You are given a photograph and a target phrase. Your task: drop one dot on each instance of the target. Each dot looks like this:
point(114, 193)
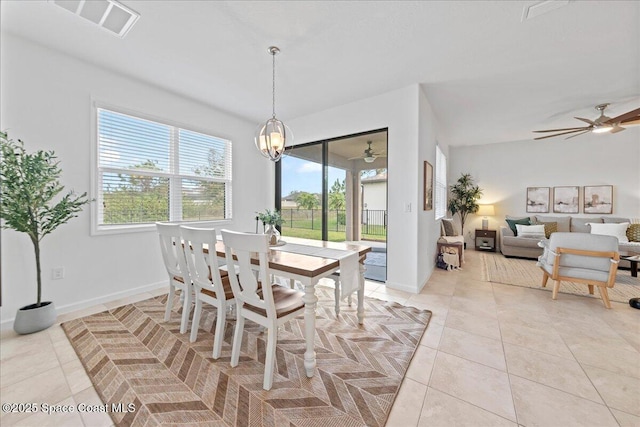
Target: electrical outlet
point(57, 273)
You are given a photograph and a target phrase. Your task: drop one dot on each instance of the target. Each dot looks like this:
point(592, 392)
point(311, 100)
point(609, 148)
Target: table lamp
point(486, 211)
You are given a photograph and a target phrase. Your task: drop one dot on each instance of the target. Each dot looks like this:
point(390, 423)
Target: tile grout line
point(506, 363)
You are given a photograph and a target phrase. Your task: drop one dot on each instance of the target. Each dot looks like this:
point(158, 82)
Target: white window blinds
point(149, 171)
point(440, 201)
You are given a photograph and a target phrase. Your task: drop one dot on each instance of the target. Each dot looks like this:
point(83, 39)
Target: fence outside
point(374, 222)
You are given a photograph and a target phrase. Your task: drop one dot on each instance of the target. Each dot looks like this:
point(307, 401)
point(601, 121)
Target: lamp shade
point(486, 210)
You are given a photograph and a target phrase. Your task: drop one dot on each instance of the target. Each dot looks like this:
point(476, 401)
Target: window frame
point(441, 189)
point(175, 195)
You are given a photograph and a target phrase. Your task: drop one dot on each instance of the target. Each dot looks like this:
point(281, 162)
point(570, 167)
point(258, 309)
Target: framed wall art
point(566, 199)
point(428, 186)
point(538, 199)
point(598, 199)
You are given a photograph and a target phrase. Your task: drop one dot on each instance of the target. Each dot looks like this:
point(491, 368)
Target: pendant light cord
point(273, 106)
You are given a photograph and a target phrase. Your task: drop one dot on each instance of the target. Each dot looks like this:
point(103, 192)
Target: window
point(149, 171)
point(440, 201)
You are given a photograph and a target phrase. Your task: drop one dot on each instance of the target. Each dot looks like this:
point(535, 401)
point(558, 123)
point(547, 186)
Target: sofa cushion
point(579, 225)
point(614, 220)
point(549, 227)
point(564, 222)
point(521, 242)
point(616, 230)
point(633, 233)
point(512, 223)
point(530, 230)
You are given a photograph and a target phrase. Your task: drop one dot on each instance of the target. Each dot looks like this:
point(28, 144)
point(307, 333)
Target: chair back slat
point(202, 266)
point(245, 246)
point(171, 248)
point(586, 242)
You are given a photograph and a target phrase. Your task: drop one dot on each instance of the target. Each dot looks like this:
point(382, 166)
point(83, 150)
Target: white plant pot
point(30, 318)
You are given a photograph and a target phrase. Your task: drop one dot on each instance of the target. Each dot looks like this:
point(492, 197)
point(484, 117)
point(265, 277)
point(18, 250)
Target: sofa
point(527, 247)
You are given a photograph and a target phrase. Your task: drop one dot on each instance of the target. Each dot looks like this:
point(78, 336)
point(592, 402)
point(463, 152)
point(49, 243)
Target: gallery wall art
point(598, 199)
point(566, 199)
point(538, 199)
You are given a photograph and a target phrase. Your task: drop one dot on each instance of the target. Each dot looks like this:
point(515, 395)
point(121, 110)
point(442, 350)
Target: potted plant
point(29, 183)
point(270, 219)
point(464, 198)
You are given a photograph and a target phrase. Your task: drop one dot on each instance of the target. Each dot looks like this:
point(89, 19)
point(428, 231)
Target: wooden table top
point(304, 265)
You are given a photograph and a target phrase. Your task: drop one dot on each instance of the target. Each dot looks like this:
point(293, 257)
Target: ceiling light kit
point(272, 137)
point(603, 124)
point(369, 156)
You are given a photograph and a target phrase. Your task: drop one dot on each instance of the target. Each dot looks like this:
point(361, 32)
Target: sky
point(302, 175)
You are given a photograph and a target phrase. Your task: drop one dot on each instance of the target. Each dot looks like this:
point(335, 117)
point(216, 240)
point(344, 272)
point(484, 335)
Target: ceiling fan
point(602, 124)
point(369, 156)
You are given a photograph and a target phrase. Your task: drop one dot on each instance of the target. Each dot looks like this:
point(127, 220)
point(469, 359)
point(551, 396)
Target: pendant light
point(273, 136)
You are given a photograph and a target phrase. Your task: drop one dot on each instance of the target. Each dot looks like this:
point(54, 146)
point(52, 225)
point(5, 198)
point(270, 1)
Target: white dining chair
point(266, 304)
point(176, 265)
point(211, 285)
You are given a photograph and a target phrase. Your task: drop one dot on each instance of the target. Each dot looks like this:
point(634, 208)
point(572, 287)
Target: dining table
point(296, 264)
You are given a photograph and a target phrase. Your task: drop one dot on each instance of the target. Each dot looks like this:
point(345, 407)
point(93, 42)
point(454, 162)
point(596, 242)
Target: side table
point(442, 246)
point(485, 240)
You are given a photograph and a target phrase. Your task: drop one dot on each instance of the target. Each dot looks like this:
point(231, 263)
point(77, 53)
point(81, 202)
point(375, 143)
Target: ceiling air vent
point(108, 14)
point(542, 7)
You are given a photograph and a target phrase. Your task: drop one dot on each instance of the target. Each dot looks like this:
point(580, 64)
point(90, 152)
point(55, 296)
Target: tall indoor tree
point(29, 183)
point(463, 199)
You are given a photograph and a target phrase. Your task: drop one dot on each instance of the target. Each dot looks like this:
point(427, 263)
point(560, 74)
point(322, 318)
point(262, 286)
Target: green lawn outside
point(334, 236)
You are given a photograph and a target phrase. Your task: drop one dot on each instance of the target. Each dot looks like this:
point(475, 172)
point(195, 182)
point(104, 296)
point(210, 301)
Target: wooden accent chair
point(267, 305)
point(591, 259)
point(211, 285)
point(176, 265)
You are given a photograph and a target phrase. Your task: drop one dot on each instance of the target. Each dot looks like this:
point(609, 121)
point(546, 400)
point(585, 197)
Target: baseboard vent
point(107, 14)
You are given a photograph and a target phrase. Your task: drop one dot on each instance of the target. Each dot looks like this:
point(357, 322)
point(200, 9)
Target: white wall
point(47, 102)
point(399, 112)
point(505, 171)
point(428, 227)
point(374, 195)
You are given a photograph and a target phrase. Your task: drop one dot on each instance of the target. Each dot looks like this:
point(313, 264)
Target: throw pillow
point(633, 233)
point(449, 227)
point(512, 223)
point(536, 231)
point(549, 227)
point(617, 230)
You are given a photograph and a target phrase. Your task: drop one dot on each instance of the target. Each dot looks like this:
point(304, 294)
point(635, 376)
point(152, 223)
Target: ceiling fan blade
point(560, 130)
point(354, 158)
point(563, 133)
point(617, 129)
point(578, 134)
point(591, 122)
point(628, 116)
point(379, 155)
point(632, 122)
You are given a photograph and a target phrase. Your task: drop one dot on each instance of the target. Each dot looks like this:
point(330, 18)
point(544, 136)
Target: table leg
point(360, 311)
point(634, 268)
point(310, 299)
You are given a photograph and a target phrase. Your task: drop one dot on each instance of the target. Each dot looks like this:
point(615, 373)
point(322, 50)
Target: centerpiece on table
point(270, 219)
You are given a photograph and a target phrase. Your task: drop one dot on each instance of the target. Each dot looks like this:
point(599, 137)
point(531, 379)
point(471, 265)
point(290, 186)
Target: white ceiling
point(489, 77)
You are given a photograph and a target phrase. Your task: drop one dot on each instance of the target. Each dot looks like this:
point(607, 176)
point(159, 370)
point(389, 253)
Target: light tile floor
point(493, 355)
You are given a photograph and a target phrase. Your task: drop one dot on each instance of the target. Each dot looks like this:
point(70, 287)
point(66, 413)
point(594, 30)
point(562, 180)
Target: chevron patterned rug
point(133, 357)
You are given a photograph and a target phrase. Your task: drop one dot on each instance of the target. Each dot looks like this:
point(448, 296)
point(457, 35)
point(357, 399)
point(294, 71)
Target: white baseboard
point(8, 323)
point(402, 287)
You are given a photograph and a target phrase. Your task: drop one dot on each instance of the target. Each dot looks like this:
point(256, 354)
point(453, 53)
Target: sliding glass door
point(335, 190)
